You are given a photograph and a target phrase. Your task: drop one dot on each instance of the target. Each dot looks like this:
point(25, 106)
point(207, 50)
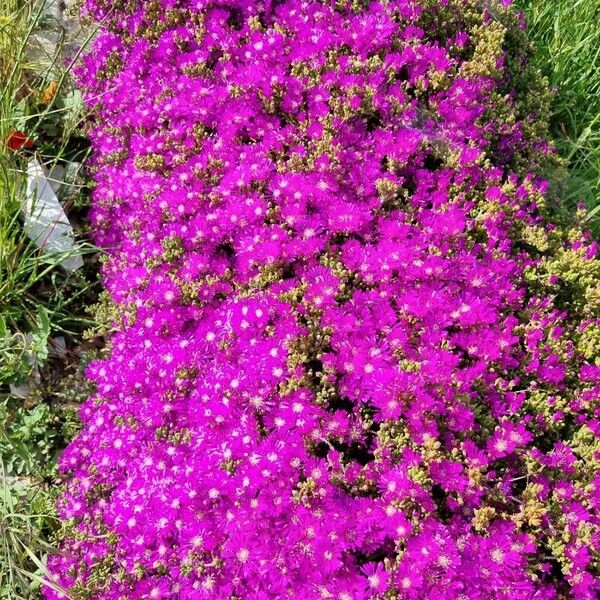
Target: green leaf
point(41, 334)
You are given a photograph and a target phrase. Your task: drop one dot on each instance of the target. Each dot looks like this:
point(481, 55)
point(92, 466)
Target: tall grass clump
point(566, 40)
point(42, 305)
point(39, 117)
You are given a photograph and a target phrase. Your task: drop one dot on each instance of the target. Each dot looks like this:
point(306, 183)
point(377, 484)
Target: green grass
point(566, 36)
point(39, 300)
point(22, 543)
point(32, 435)
point(37, 297)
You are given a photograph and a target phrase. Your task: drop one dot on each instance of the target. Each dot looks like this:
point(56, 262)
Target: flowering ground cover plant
point(354, 359)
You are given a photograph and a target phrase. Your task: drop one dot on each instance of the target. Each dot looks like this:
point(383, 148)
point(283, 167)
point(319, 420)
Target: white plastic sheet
point(46, 223)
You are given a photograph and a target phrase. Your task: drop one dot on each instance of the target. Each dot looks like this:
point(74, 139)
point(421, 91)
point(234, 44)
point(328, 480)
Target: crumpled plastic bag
point(45, 221)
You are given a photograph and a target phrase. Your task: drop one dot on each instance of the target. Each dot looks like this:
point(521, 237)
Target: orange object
point(50, 92)
point(16, 140)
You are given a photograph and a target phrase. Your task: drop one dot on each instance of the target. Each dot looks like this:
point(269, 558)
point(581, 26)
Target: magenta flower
point(352, 358)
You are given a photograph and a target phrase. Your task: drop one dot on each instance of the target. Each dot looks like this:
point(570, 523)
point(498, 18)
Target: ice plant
point(354, 360)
